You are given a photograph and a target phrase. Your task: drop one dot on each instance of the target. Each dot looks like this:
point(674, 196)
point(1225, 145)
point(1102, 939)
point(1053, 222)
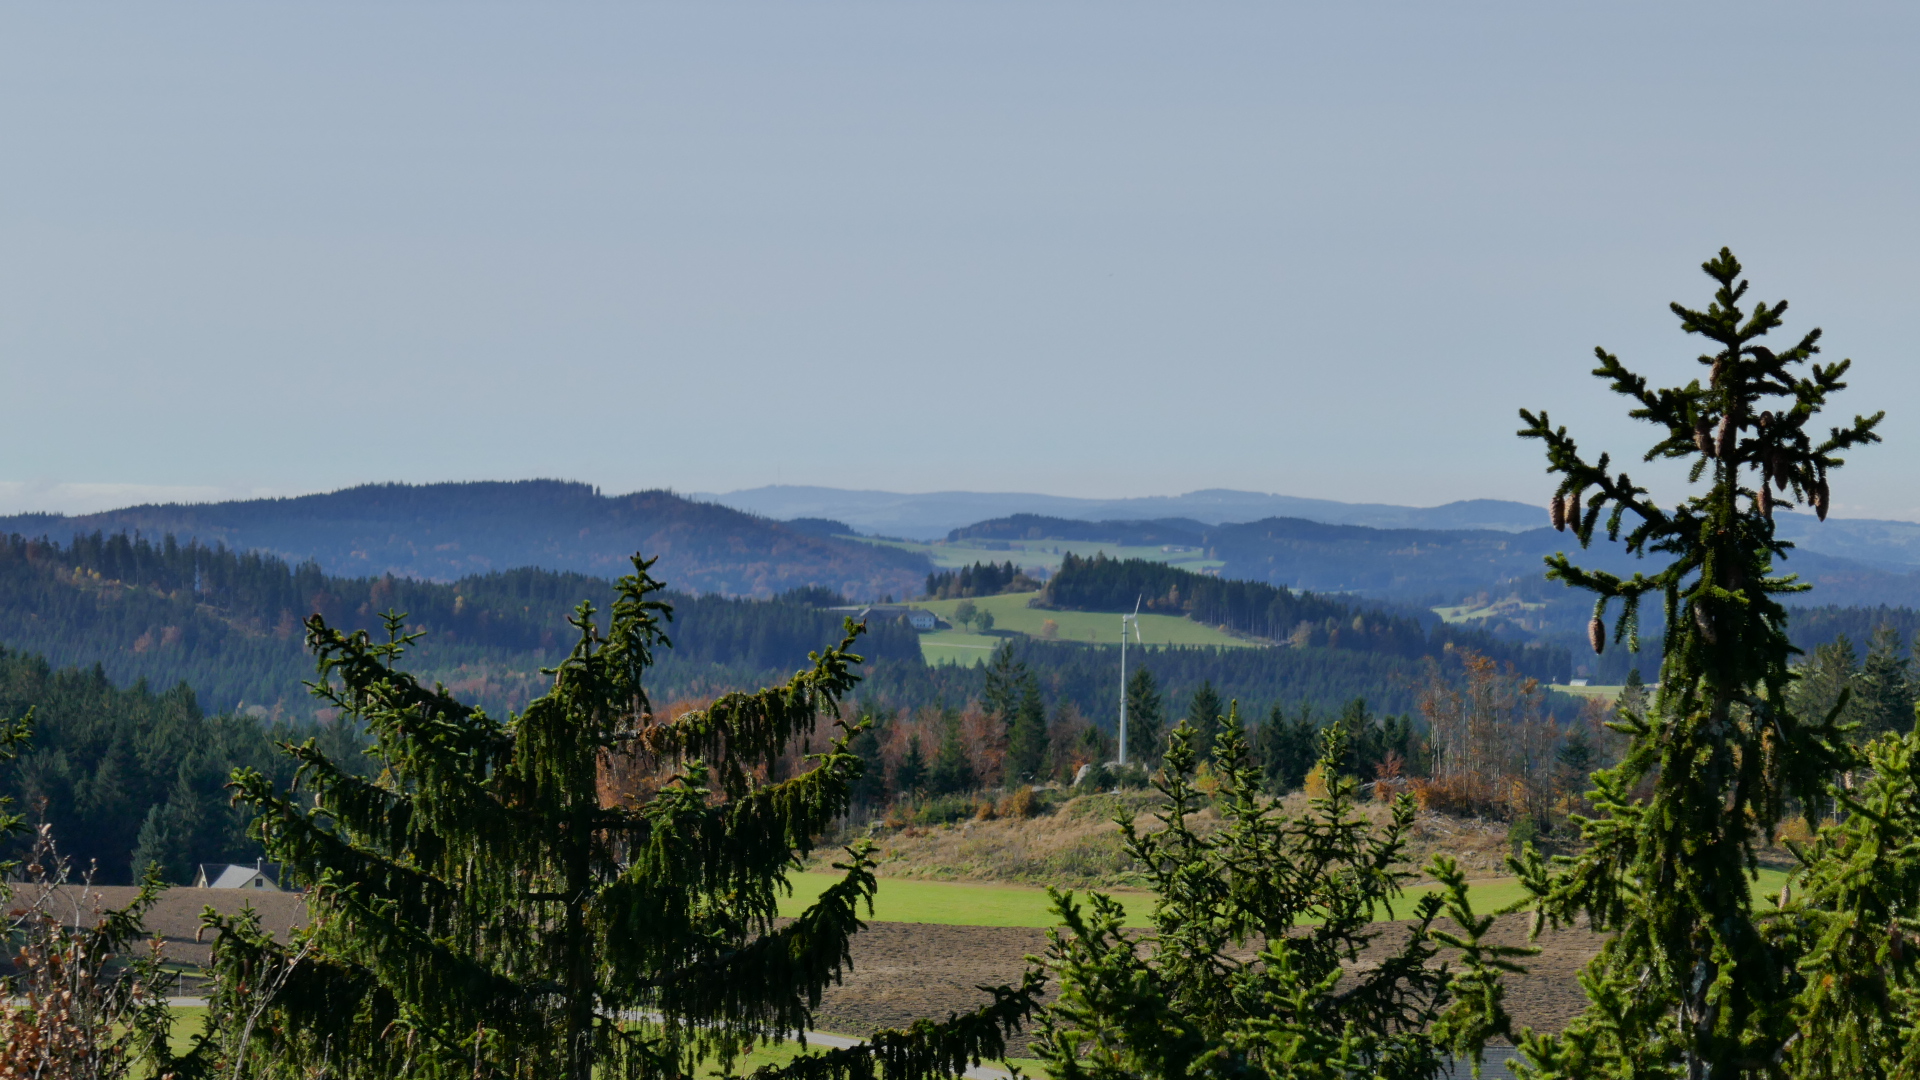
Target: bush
point(1020, 803)
point(1524, 830)
point(934, 810)
point(1460, 796)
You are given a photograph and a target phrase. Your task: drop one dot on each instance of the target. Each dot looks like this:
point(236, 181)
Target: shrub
point(1020, 803)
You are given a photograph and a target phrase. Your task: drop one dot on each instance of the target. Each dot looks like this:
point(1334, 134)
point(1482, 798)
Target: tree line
point(229, 623)
point(980, 579)
point(1276, 613)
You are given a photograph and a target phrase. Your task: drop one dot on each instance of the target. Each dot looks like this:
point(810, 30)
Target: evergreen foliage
point(1146, 718)
point(1204, 713)
point(1027, 734)
point(952, 771)
point(1850, 921)
point(1187, 1000)
point(1255, 608)
point(980, 579)
point(128, 778)
point(494, 903)
point(1287, 747)
point(910, 777)
point(1689, 983)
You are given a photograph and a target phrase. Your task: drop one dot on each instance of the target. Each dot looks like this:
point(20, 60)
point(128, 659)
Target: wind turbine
point(1124, 620)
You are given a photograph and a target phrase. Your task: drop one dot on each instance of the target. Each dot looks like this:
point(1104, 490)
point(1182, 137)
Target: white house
point(918, 618)
point(237, 876)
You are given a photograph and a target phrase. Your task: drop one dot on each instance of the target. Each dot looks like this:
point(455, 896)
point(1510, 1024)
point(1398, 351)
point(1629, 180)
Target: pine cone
point(1572, 512)
point(1597, 635)
point(1820, 498)
point(1557, 513)
point(1703, 437)
point(1705, 622)
point(1724, 442)
point(1764, 500)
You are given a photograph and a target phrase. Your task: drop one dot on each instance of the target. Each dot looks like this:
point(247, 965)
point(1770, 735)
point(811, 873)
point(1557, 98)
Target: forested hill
point(1300, 619)
point(443, 532)
point(228, 624)
point(1434, 566)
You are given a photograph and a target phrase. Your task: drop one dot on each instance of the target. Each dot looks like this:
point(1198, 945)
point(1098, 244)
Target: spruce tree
point(1687, 983)
point(952, 765)
point(1251, 966)
point(490, 906)
point(1287, 748)
point(1005, 677)
point(1146, 716)
point(1027, 734)
point(1886, 692)
point(910, 776)
point(1203, 714)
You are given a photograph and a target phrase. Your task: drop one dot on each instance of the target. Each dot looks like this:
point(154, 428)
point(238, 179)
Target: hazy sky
point(1091, 249)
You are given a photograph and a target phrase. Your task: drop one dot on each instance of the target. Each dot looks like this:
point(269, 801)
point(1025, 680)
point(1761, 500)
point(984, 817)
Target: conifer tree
point(486, 907)
point(1688, 984)
point(1248, 969)
point(1204, 713)
point(1886, 684)
point(911, 774)
point(952, 765)
point(1005, 677)
point(1288, 747)
point(1146, 716)
point(1027, 734)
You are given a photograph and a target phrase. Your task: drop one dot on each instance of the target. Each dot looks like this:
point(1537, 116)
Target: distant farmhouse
point(918, 618)
point(237, 876)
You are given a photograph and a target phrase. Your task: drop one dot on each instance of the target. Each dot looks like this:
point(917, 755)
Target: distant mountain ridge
point(1888, 545)
point(1427, 565)
point(442, 532)
point(932, 515)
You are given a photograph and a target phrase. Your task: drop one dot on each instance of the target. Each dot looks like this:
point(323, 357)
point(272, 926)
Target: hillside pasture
point(1038, 554)
point(1012, 615)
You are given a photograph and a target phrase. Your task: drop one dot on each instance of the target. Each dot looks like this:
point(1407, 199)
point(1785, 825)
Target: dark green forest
point(131, 776)
point(1305, 620)
point(228, 623)
point(980, 579)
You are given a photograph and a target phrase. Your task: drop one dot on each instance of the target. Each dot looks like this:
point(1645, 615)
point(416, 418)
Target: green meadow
point(1012, 615)
point(954, 554)
point(954, 903)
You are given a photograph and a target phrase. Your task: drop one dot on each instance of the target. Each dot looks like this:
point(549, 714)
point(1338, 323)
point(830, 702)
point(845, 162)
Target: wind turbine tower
point(1134, 619)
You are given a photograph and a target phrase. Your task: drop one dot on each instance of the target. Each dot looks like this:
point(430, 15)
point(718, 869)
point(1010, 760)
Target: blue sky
point(1089, 249)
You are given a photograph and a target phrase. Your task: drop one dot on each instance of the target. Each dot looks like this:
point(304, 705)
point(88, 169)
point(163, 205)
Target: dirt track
point(906, 970)
point(903, 971)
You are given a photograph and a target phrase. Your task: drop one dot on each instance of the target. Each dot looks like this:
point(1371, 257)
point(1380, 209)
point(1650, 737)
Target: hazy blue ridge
point(932, 515)
point(443, 532)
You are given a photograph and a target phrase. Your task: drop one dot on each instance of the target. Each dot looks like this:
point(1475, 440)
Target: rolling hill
point(229, 624)
point(931, 515)
point(443, 532)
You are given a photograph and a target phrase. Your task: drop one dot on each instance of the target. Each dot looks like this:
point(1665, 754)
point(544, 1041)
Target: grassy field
point(1509, 608)
point(1045, 554)
point(1607, 692)
point(970, 904)
point(1011, 614)
point(955, 903)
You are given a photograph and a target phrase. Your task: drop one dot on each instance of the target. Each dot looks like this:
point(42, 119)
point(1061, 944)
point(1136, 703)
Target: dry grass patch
point(1076, 843)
